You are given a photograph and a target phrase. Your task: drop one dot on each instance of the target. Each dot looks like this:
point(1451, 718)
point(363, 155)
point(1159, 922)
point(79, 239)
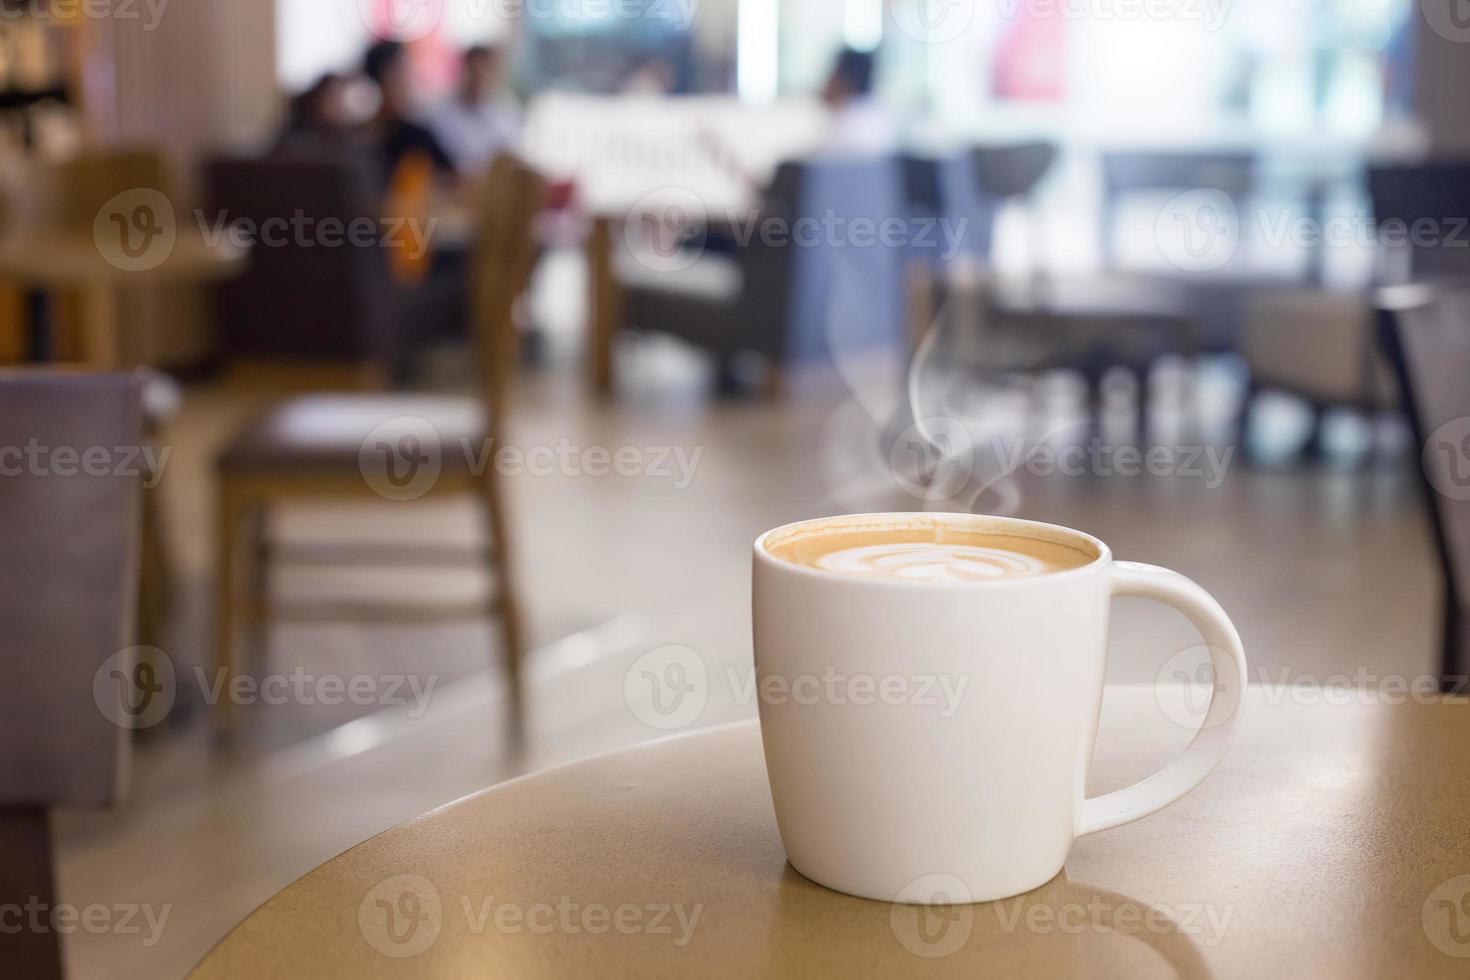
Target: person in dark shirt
point(393, 133)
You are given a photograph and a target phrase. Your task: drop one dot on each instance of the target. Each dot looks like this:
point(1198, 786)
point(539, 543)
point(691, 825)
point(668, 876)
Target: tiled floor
point(1323, 573)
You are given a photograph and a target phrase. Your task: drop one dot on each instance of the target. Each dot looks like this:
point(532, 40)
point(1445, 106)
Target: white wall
point(314, 37)
point(202, 76)
point(318, 36)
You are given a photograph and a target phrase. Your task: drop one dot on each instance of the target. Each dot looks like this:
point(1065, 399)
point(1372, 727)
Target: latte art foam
point(933, 562)
point(926, 553)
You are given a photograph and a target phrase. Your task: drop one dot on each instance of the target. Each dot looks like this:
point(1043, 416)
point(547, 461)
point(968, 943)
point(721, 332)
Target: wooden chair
point(1426, 332)
point(314, 446)
point(68, 577)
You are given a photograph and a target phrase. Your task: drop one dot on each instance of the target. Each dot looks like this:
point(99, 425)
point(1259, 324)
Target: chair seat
point(327, 432)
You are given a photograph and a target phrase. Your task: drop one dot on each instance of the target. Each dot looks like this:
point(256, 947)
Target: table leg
point(39, 340)
point(101, 349)
point(921, 286)
point(604, 305)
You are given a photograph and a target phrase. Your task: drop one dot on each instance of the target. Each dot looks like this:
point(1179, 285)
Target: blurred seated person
point(480, 121)
point(655, 76)
point(860, 125)
point(393, 135)
point(319, 118)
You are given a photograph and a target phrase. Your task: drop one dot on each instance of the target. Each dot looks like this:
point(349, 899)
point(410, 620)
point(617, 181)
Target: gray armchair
point(67, 595)
point(772, 294)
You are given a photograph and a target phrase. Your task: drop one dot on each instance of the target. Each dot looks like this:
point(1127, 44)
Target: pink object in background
point(1031, 58)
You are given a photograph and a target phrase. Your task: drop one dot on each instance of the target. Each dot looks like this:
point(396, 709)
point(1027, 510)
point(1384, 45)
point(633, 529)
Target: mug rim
point(897, 520)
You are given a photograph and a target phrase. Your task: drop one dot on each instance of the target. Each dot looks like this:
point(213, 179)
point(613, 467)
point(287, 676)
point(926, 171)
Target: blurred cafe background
point(390, 392)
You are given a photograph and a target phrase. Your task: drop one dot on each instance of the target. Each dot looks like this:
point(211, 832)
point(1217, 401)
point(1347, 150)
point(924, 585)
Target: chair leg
point(255, 577)
point(511, 639)
point(1455, 660)
point(226, 653)
point(605, 300)
point(921, 313)
point(155, 587)
point(26, 876)
point(775, 386)
point(506, 606)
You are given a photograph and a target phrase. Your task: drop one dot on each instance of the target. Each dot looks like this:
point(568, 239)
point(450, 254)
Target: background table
point(1334, 841)
point(73, 261)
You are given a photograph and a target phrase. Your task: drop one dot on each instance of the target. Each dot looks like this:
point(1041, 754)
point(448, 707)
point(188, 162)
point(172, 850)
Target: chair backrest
point(923, 188)
point(1012, 170)
point(814, 238)
point(1428, 341)
point(71, 523)
point(834, 250)
point(505, 250)
point(1415, 208)
point(82, 185)
point(767, 268)
point(303, 299)
point(945, 188)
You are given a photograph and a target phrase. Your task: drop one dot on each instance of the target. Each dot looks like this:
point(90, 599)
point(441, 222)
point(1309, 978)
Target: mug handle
point(1227, 661)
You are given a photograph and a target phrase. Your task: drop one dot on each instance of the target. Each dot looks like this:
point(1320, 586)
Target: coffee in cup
point(927, 552)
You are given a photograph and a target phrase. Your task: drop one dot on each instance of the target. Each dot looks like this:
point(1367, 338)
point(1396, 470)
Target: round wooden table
point(1333, 842)
point(72, 260)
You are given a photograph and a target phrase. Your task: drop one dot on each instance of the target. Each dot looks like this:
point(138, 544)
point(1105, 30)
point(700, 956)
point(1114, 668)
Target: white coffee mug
point(940, 731)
